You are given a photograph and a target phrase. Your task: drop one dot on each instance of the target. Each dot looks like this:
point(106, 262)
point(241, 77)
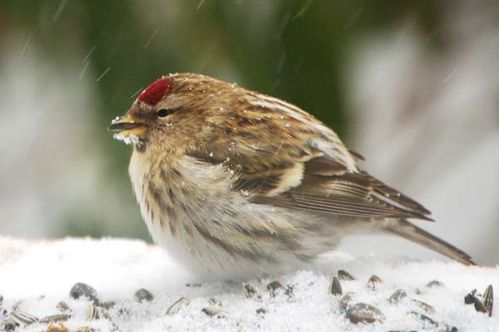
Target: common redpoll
point(236, 183)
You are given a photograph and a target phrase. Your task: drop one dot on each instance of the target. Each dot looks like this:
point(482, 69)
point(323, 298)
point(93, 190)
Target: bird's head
point(174, 110)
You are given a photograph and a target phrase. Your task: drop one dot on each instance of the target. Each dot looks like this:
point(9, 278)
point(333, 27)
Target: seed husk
point(96, 312)
point(374, 282)
point(177, 305)
point(434, 283)
point(212, 311)
point(9, 325)
point(63, 307)
point(471, 298)
point(423, 318)
point(83, 290)
point(335, 287)
point(23, 317)
point(273, 287)
point(107, 305)
point(55, 318)
point(397, 296)
point(92, 312)
point(143, 295)
point(345, 276)
point(364, 313)
point(429, 309)
point(488, 299)
point(430, 323)
point(289, 291)
point(346, 300)
point(215, 302)
point(249, 290)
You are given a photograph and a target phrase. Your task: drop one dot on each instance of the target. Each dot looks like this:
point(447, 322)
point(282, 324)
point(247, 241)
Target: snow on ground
point(36, 276)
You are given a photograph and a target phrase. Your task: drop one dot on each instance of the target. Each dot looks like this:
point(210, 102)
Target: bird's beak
point(128, 128)
point(123, 123)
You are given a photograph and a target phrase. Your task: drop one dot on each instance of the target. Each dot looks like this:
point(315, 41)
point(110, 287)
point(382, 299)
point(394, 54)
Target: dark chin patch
point(141, 145)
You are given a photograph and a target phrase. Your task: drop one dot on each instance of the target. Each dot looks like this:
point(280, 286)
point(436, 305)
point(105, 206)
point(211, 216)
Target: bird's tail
point(415, 234)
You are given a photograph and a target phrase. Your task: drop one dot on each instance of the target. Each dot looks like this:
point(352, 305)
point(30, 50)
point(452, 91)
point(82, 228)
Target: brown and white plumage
point(234, 182)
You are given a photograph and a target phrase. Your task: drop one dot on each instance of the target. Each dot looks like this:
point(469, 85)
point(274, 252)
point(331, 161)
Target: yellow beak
point(128, 127)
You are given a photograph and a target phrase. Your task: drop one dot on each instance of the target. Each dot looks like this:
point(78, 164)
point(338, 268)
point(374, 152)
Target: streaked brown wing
point(328, 187)
point(259, 170)
point(325, 185)
point(395, 196)
point(280, 155)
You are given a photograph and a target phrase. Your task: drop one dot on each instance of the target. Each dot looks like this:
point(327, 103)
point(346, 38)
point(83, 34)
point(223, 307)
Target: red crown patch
point(156, 91)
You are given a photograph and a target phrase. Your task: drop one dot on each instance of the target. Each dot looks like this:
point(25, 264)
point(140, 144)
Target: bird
point(234, 183)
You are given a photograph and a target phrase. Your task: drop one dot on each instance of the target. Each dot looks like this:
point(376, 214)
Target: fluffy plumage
point(236, 183)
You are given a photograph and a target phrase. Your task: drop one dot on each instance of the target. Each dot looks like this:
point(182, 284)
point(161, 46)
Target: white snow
point(37, 275)
point(126, 139)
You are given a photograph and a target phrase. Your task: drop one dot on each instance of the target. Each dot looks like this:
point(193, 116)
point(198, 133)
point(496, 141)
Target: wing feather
point(301, 165)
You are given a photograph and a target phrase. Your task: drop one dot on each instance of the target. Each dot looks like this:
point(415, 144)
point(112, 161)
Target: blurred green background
point(291, 49)
point(72, 66)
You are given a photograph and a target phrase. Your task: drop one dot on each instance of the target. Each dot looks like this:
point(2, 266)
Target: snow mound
point(36, 276)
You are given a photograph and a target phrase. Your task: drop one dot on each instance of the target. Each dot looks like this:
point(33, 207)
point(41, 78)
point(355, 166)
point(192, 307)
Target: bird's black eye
point(164, 112)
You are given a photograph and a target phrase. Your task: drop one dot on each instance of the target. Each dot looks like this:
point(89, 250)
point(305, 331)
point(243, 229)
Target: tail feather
point(415, 234)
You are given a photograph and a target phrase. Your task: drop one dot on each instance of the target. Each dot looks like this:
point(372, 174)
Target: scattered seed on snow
point(23, 317)
point(9, 325)
point(346, 300)
point(273, 287)
point(424, 319)
point(249, 290)
point(63, 307)
point(55, 318)
point(344, 275)
point(374, 282)
point(335, 287)
point(107, 305)
point(215, 302)
point(397, 296)
point(488, 299)
point(471, 298)
point(80, 289)
point(96, 312)
point(364, 313)
point(212, 311)
point(289, 291)
point(177, 305)
point(434, 283)
point(429, 309)
point(143, 295)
